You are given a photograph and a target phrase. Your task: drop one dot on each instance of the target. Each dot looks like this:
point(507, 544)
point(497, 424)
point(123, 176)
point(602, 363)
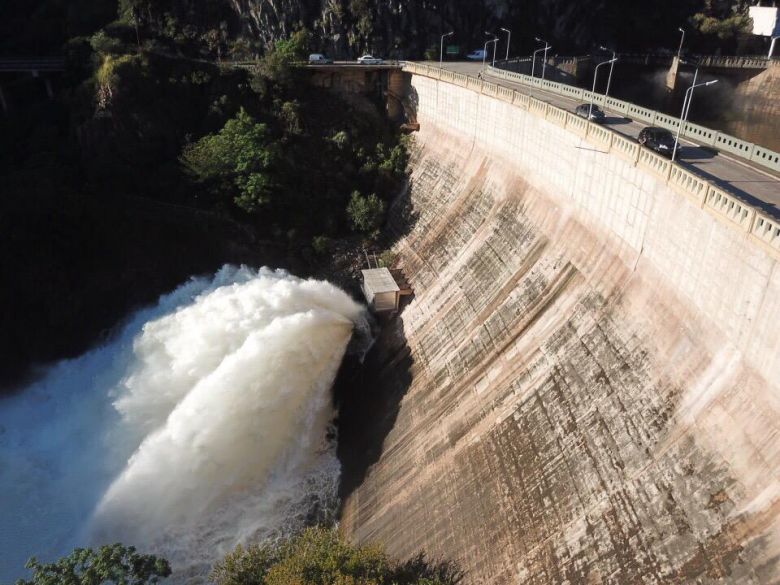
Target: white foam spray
point(203, 425)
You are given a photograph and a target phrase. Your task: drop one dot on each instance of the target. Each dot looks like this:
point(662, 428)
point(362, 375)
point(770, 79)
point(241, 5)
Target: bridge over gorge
point(38, 67)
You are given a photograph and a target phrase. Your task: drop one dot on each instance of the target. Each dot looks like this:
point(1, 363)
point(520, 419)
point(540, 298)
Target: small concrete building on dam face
point(380, 289)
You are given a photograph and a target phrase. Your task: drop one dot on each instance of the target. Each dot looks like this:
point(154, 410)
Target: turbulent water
point(204, 424)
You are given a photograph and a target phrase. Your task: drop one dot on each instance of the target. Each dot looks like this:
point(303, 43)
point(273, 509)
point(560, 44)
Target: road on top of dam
point(756, 186)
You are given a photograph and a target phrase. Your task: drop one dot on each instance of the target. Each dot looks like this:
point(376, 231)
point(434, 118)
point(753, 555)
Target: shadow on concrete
point(368, 397)
point(616, 121)
point(734, 188)
point(694, 153)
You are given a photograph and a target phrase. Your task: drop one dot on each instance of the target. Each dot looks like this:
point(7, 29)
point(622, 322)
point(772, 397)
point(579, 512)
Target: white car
point(476, 55)
point(369, 60)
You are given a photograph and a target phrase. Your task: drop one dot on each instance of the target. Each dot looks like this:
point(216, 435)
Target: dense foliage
point(722, 20)
point(321, 556)
point(110, 565)
point(238, 161)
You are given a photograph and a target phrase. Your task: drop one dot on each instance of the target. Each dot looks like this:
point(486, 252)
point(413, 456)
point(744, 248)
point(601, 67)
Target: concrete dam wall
point(584, 388)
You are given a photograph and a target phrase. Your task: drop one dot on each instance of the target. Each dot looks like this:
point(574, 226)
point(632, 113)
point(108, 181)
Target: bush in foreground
point(320, 556)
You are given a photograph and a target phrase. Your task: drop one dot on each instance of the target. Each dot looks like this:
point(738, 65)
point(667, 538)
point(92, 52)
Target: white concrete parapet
point(557, 116)
point(626, 148)
point(766, 230)
point(689, 184)
point(576, 124)
point(655, 163)
point(600, 135)
point(727, 206)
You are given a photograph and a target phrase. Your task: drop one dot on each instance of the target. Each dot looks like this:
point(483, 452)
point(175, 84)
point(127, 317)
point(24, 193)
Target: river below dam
point(205, 422)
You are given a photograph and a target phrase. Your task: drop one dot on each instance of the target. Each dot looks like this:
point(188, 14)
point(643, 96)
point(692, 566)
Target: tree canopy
point(110, 564)
point(365, 213)
point(238, 159)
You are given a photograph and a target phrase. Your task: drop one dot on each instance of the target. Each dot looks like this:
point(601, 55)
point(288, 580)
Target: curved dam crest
point(586, 380)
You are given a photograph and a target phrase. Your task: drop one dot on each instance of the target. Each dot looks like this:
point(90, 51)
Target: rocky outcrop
point(393, 28)
point(584, 388)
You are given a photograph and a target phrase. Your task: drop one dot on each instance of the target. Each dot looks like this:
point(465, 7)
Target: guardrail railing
point(759, 227)
point(757, 154)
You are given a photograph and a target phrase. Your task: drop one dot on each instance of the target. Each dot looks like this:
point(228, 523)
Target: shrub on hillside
point(320, 556)
point(365, 213)
point(239, 158)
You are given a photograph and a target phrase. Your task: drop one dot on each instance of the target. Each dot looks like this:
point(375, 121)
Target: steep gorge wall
point(585, 387)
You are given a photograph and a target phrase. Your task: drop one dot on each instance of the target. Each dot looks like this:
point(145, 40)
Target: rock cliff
point(395, 28)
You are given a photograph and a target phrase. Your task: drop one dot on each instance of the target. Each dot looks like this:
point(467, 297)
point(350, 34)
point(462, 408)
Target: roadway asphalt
point(757, 186)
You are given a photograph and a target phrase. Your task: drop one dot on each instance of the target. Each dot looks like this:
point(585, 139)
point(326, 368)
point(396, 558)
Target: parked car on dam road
point(658, 139)
point(592, 112)
point(369, 60)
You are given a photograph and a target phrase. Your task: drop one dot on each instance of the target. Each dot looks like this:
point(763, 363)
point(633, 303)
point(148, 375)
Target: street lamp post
point(611, 69)
point(772, 46)
point(682, 40)
point(593, 92)
point(484, 53)
point(686, 110)
point(441, 47)
point(495, 45)
point(508, 39)
point(546, 48)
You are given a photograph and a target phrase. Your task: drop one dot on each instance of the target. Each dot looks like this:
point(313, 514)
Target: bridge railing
point(757, 154)
point(759, 227)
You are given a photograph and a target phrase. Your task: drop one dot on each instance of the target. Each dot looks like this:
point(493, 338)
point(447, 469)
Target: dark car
point(657, 139)
point(595, 114)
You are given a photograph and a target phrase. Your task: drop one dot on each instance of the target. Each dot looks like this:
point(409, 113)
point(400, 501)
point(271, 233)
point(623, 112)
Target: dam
point(584, 388)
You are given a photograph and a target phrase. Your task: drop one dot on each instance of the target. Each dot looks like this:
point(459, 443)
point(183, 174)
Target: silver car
point(369, 60)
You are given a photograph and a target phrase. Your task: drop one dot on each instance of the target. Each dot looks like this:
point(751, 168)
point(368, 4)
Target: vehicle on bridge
point(476, 55)
point(319, 58)
point(370, 60)
point(592, 112)
point(658, 139)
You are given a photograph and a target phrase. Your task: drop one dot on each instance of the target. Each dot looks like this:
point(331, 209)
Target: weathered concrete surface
point(591, 394)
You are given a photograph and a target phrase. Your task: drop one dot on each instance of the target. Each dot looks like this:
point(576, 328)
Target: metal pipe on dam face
point(585, 387)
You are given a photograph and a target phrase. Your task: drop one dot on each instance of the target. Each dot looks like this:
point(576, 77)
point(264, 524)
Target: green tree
point(723, 18)
point(365, 213)
point(277, 63)
point(320, 556)
point(111, 564)
point(238, 161)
